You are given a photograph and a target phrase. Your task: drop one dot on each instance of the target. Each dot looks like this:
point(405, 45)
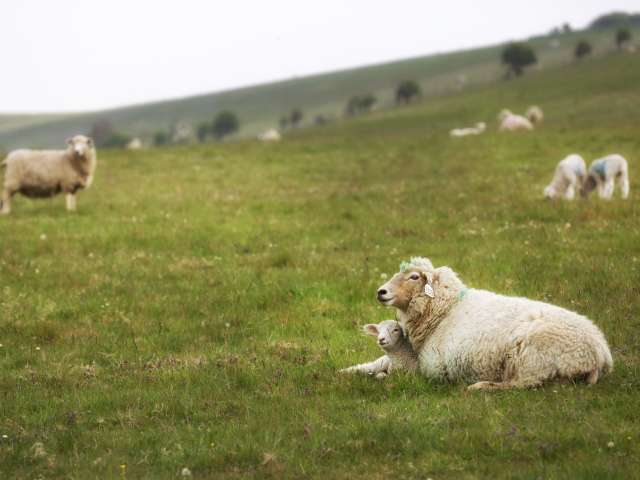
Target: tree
point(160, 138)
point(566, 28)
point(224, 124)
point(583, 48)
point(518, 56)
point(406, 91)
point(203, 131)
point(116, 140)
point(284, 122)
point(101, 131)
point(296, 117)
point(360, 104)
point(623, 35)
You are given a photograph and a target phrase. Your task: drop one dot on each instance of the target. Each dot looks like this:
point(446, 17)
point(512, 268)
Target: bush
point(583, 48)
point(160, 138)
point(116, 140)
point(360, 104)
point(407, 91)
point(517, 56)
point(203, 131)
point(623, 35)
point(224, 124)
point(296, 117)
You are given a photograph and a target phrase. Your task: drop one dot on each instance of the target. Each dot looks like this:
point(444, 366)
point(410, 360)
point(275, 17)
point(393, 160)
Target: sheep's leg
point(607, 190)
point(372, 368)
point(570, 192)
point(530, 383)
point(623, 183)
point(6, 202)
point(71, 201)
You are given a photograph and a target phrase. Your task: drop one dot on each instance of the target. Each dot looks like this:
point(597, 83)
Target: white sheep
point(463, 132)
point(569, 175)
point(45, 173)
point(493, 341)
point(510, 122)
point(534, 114)
point(271, 135)
point(399, 355)
point(603, 173)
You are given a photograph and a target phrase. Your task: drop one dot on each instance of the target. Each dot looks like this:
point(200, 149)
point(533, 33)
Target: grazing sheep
point(568, 178)
point(399, 353)
point(494, 341)
point(510, 122)
point(603, 173)
point(271, 135)
point(463, 132)
point(45, 173)
point(534, 114)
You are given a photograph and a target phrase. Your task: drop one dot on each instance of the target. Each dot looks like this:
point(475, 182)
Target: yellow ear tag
point(428, 290)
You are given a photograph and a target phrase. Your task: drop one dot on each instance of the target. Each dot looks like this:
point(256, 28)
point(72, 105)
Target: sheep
point(602, 174)
point(463, 132)
point(568, 178)
point(534, 114)
point(45, 173)
point(271, 135)
point(510, 122)
point(493, 341)
point(399, 355)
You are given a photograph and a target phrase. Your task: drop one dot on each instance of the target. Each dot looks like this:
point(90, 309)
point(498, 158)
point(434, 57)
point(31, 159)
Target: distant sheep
point(399, 353)
point(271, 135)
point(603, 173)
point(568, 178)
point(45, 173)
point(463, 132)
point(510, 122)
point(534, 115)
point(493, 341)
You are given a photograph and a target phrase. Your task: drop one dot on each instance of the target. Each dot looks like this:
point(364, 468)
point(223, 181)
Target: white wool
point(603, 174)
point(464, 132)
point(567, 179)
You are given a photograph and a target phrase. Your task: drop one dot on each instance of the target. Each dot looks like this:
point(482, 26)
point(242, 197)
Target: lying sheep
point(510, 122)
point(568, 178)
point(399, 355)
point(45, 173)
point(463, 132)
point(534, 115)
point(603, 173)
point(271, 135)
point(494, 341)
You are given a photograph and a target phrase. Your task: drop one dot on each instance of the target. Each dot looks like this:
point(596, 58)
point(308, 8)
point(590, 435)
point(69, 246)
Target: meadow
point(195, 310)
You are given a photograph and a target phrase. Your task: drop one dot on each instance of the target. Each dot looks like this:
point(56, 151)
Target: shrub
point(517, 56)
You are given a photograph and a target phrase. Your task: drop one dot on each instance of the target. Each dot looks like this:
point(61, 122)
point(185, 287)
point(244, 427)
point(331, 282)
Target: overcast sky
point(73, 55)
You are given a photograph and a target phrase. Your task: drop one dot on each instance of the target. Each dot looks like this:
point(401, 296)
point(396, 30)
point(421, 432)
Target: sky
point(79, 55)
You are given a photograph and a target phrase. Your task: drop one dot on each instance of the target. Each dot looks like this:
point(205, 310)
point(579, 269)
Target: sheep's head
point(415, 277)
point(549, 192)
point(389, 333)
point(80, 146)
point(588, 185)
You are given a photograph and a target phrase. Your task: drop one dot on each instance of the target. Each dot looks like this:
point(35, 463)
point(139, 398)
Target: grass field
point(194, 311)
point(259, 107)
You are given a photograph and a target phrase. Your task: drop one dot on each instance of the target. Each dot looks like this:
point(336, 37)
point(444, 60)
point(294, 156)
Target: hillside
point(194, 311)
point(261, 106)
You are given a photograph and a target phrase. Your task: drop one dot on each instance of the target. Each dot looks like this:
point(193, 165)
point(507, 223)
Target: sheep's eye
point(396, 329)
point(414, 276)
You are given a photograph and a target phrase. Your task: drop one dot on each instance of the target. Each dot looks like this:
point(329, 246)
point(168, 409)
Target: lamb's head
point(588, 185)
point(80, 146)
point(389, 334)
point(415, 277)
point(549, 192)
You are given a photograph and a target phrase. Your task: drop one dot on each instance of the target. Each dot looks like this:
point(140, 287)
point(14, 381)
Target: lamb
point(463, 132)
point(399, 355)
point(45, 173)
point(568, 178)
point(534, 114)
point(271, 135)
point(510, 122)
point(602, 174)
point(493, 341)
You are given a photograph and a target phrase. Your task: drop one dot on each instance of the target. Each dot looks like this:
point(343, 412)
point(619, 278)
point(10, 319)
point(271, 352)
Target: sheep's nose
point(382, 292)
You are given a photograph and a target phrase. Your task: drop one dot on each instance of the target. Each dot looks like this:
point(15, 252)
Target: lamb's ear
point(428, 284)
point(69, 141)
point(371, 329)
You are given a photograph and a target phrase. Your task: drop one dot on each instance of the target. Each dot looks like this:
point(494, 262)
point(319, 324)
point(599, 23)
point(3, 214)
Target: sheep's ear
point(371, 329)
point(69, 141)
point(90, 141)
point(428, 284)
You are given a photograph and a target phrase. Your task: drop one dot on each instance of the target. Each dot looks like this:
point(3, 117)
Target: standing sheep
point(399, 353)
point(534, 115)
point(45, 173)
point(510, 122)
point(568, 178)
point(603, 173)
point(494, 341)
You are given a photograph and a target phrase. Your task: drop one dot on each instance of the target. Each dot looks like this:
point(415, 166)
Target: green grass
point(194, 311)
point(259, 107)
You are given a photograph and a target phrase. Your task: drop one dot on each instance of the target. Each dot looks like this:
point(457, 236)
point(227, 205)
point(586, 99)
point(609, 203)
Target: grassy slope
point(195, 310)
point(260, 107)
